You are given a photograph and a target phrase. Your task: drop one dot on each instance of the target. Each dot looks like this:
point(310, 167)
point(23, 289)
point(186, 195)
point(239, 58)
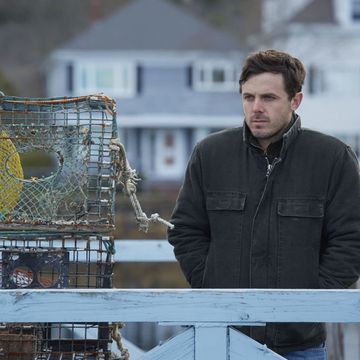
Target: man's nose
point(257, 105)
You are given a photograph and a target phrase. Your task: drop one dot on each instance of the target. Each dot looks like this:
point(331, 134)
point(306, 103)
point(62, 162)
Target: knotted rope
point(124, 353)
point(129, 179)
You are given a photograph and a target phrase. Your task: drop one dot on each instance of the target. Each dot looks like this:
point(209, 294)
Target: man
point(271, 205)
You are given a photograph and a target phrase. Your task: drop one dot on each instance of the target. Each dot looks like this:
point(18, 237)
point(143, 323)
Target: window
point(214, 76)
point(104, 78)
point(113, 79)
point(356, 9)
point(334, 79)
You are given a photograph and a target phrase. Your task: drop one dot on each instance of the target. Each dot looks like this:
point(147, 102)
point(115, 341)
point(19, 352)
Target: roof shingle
point(318, 11)
point(152, 25)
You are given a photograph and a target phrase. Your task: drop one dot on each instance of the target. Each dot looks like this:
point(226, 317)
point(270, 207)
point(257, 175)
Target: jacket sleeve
point(340, 257)
point(190, 236)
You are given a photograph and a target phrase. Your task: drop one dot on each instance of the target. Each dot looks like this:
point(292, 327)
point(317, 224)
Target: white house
point(175, 79)
point(325, 34)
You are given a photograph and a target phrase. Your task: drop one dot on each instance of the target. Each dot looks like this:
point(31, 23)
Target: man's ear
point(296, 100)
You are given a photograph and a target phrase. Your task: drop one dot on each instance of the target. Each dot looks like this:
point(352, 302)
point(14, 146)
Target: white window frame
point(337, 80)
point(207, 68)
point(123, 80)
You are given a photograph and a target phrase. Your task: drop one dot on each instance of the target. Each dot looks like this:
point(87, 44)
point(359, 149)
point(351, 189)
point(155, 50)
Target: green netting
point(73, 135)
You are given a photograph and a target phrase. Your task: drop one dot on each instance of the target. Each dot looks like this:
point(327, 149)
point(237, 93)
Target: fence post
point(211, 341)
point(351, 341)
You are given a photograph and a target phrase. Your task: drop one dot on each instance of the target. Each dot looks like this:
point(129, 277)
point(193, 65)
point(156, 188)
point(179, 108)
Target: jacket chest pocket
point(225, 210)
point(300, 222)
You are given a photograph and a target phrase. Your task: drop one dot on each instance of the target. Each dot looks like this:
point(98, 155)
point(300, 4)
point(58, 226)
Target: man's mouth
point(259, 121)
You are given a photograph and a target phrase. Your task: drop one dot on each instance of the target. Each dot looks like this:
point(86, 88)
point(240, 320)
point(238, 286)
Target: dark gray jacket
point(288, 219)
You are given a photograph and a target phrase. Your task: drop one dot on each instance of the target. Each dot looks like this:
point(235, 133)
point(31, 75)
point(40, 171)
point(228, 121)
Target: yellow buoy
point(11, 174)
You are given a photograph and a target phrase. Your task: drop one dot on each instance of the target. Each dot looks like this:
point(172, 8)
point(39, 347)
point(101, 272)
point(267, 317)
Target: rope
point(124, 353)
point(128, 178)
point(109, 103)
point(109, 246)
point(63, 100)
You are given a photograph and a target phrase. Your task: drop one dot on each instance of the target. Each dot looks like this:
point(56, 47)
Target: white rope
point(124, 353)
point(128, 178)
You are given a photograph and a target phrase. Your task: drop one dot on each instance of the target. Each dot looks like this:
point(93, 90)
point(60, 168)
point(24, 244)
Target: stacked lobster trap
point(55, 227)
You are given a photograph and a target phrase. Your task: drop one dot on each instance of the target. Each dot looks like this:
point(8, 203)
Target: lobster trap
point(71, 135)
point(55, 341)
point(56, 218)
point(56, 261)
point(55, 222)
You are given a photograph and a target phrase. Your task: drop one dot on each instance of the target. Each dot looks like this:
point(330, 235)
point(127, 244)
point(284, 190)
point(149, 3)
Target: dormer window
point(214, 75)
point(356, 10)
point(116, 79)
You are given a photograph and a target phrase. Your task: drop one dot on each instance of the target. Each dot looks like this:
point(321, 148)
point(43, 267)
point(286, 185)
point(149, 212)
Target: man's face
point(267, 107)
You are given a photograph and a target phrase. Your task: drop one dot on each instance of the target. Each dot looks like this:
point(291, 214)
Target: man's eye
point(269, 98)
point(248, 97)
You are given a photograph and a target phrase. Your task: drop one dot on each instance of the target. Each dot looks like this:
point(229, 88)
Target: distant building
point(325, 34)
point(175, 79)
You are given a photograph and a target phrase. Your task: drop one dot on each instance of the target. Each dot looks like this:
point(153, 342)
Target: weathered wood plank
point(243, 348)
point(211, 342)
point(180, 347)
point(143, 251)
point(183, 305)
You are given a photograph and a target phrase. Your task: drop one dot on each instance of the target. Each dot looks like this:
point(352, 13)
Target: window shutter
point(139, 79)
point(189, 76)
point(70, 77)
point(311, 79)
point(355, 9)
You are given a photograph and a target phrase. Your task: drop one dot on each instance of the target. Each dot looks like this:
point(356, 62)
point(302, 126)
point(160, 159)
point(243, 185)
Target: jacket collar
point(291, 134)
point(283, 143)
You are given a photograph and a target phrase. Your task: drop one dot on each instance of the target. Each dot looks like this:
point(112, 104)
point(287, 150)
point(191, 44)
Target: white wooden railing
point(207, 315)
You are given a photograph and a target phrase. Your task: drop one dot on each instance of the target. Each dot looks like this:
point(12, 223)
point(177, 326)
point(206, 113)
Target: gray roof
point(152, 25)
point(317, 11)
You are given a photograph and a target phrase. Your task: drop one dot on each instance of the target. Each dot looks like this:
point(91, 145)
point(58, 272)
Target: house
point(174, 77)
point(325, 35)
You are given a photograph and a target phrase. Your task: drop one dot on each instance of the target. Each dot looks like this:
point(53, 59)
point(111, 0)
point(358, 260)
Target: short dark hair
point(277, 62)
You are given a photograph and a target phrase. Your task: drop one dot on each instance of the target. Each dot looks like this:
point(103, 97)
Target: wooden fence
point(207, 316)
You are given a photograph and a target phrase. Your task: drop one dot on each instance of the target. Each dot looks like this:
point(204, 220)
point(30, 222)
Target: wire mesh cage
point(56, 341)
point(19, 342)
point(57, 261)
point(74, 135)
point(55, 223)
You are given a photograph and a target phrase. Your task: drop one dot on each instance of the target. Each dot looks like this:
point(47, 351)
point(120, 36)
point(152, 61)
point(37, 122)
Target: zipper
point(269, 170)
point(270, 167)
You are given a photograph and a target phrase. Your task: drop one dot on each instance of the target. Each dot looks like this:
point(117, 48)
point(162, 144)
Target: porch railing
point(207, 315)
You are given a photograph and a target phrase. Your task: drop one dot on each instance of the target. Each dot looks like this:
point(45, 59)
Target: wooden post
point(211, 341)
point(351, 341)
